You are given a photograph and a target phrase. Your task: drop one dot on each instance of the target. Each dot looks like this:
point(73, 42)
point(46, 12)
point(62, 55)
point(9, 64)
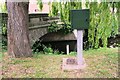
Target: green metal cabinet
point(80, 19)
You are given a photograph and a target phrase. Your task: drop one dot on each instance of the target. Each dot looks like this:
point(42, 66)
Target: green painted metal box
point(80, 18)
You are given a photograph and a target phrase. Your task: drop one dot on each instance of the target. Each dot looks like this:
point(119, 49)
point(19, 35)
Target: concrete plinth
point(71, 64)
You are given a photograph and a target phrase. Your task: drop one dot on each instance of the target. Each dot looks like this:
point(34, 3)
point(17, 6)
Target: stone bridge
point(38, 25)
point(36, 32)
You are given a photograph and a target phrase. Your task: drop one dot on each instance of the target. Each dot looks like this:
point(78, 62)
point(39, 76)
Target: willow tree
point(17, 29)
point(63, 8)
point(103, 22)
point(2, 7)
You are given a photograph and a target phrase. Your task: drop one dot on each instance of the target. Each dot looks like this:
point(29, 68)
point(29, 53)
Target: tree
point(17, 30)
point(103, 23)
point(2, 7)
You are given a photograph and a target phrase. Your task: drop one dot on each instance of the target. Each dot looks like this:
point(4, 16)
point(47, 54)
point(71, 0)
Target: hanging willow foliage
point(40, 4)
point(103, 24)
point(103, 21)
point(3, 8)
point(63, 8)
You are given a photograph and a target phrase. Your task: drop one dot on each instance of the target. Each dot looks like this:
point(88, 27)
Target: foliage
point(56, 52)
point(65, 28)
point(55, 9)
point(4, 32)
point(3, 8)
point(103, 24)
point(39, 47)
point(103, 21)
point(36, 47)
point(62, 9)
point(4, 27)
point(47, 50)
point(40, 5)
point(53, 27)
point(73, 53)
point(3, 23)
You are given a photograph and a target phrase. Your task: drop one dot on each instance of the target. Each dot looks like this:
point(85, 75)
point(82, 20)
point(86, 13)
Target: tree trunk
point(18, 40)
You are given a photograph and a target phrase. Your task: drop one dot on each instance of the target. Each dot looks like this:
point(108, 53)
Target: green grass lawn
point(101, 63)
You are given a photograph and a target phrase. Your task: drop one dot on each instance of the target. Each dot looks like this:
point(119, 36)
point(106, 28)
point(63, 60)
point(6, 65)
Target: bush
point(73, 53)
point(37, 46)
point(65, 28)
point(48, 50)
point(4, 33)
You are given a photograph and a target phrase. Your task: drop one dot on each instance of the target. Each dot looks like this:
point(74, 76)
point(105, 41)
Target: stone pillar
point(80, 47)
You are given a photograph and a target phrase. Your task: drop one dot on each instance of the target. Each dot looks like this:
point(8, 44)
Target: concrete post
point(67, 49)
point(80, 47)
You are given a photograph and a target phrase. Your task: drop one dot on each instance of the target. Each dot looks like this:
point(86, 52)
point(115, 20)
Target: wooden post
point(80, 47)
point(67, 49)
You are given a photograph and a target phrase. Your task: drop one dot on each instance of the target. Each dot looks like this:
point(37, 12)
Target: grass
point(101, 63)
point(0, 56)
